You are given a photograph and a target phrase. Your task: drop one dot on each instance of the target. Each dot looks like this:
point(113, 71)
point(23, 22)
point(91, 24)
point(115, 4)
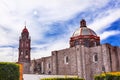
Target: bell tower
point(24, 50)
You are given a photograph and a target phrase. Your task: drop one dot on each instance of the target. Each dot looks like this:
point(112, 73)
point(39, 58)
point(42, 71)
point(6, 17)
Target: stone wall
point(79, 60)
point(47, 65)
point(54, 59)
point(26, 67)
point(118, 51)
point(69, 67)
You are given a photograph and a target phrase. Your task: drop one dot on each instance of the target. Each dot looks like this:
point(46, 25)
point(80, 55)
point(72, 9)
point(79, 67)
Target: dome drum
point(85, 36)
point(87, 42)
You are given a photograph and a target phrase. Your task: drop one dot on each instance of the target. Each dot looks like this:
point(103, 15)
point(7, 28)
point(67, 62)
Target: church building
point(85, 57)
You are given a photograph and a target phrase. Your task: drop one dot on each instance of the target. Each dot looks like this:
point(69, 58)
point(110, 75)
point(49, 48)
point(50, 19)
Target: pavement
point(38, 77)
point(31, 77)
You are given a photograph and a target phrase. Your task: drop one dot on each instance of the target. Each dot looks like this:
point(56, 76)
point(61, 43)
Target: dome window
point(95, 43)
point(86, 42)
point(76, 42)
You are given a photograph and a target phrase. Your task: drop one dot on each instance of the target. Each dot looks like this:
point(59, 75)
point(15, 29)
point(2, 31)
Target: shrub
point(108, 76)
point(62, 79)
point(9, 71)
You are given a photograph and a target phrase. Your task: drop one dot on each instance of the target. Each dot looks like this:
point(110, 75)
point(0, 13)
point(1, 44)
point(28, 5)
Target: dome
point(25, 30)
point(83, 31)
point(84, 36)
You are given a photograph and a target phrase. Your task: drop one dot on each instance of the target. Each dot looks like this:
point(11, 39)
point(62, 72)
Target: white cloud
point(106, 34)
point(8, 54)
point(103, 21)
point(39, 14)
point(45, 49)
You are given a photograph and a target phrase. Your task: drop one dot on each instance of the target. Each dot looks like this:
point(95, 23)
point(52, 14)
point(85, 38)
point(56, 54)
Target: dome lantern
point(82, 23)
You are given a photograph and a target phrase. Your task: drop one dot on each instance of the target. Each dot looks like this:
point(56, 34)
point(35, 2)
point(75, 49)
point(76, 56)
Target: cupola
point(84, 36)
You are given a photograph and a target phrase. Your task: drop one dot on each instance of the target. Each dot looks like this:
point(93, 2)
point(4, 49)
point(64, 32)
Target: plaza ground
point(38, 77)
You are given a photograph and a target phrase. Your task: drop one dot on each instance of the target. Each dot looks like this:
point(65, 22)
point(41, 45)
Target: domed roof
point(25, 30)
point(84, 36)
point(83, 30)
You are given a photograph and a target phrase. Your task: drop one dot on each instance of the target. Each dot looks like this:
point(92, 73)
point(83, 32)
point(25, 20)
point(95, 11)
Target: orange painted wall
point(21, 71)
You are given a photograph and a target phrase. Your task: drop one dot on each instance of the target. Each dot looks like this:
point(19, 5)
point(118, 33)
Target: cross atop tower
point(25, 24)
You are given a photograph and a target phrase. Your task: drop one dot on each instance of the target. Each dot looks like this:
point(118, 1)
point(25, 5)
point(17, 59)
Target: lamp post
point(103, 69)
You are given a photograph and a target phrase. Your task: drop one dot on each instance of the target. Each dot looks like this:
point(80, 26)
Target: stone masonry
point(86, 57)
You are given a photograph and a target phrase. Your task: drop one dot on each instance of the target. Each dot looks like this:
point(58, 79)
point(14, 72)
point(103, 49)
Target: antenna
point(25, 24)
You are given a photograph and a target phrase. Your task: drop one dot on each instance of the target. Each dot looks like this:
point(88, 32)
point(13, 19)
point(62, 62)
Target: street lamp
point(103, 69)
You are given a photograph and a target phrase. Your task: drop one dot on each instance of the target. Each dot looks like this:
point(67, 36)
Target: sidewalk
point(38, 77)
point(31, 77)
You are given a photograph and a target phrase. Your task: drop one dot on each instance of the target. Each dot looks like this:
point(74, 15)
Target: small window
point(95, 44)
point(86, 42)
point(21, 52)
point(48, 65)
point(95, 58)
point(26, 52)
point(66, 59)
point(76, 42)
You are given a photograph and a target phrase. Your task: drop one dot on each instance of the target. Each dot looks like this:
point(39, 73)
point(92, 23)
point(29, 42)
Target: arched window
point(95, 57)
point(95, 44)
point(26, 52)
point(48, 65)
point(21, 52)
point(66, 60)
point(76, 42)
point(86, 42)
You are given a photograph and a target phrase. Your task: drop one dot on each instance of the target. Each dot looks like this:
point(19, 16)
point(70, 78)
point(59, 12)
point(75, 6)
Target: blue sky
point(51, 23)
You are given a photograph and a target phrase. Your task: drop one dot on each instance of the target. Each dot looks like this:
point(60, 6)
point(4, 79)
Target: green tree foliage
point(9, 71)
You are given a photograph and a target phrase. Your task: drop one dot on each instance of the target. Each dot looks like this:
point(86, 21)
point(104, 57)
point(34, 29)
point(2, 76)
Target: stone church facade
point(86, 57)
